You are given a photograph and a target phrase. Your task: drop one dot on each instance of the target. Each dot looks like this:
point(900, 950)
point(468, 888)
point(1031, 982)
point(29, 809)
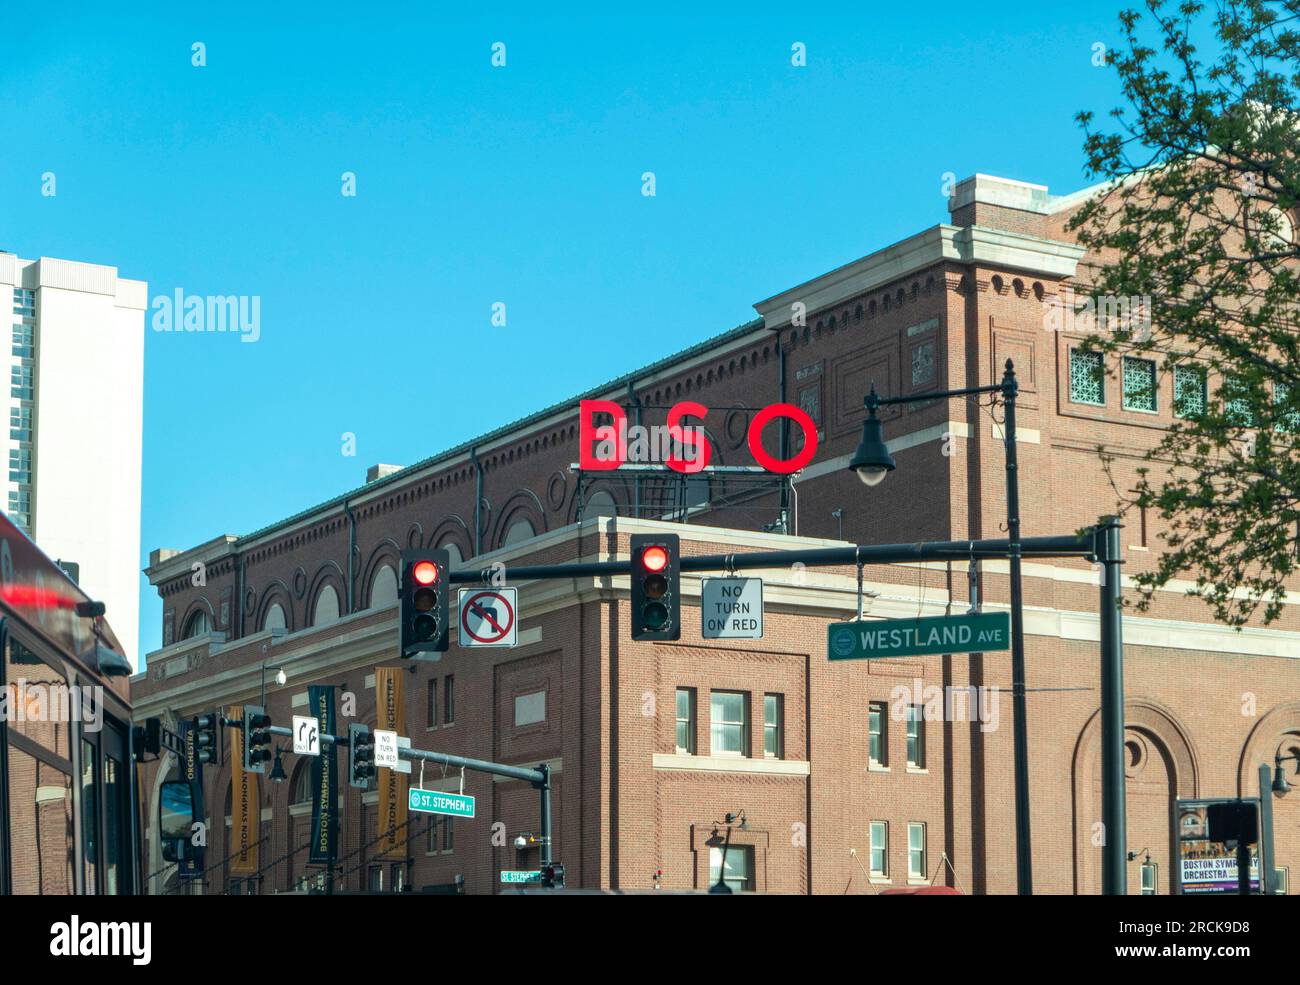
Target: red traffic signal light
point(656, 594)
point(654, 558)
point(424, 613)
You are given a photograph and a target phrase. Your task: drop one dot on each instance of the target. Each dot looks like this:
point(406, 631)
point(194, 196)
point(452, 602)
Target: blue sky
point(476, 184)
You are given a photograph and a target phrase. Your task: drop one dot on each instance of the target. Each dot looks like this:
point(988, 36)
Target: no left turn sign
point(488, 617)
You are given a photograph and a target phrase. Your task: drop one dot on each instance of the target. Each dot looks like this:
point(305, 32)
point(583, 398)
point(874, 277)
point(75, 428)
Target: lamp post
point(720, 887)
point(280, 678)
point(872, 462)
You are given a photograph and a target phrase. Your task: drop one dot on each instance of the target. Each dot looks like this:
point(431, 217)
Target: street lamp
point(277, 771)
point(872, 462)
point(281, 678)
point(1280, 787)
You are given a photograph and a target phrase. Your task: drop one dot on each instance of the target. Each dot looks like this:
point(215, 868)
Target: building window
point(1148, 875)
point(1237, 406)
point(431, 835)
point(398, 882)
point(729, 723)
point(24, 340)
point(1087, 379)
point(326, 609)
point(686, 720)
point(236, 888)
point(448, 838)
point(1139, 384)
point(877, 737)
point(1287, 417)
point(24, 302)
point(376, 879)
point(739, 867)
point(431, 705)
point(197, 626)
point(20, 379)
point(880, 849)
point(916, 737)
point(449, 700)
point(1282, 881)
point(773, 726)
point(1189, 391)
point(916, 867)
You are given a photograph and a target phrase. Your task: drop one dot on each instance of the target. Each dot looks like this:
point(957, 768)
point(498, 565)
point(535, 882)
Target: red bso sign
point(604, 447)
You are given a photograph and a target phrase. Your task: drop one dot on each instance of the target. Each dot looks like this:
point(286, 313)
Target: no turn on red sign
point(488, 617)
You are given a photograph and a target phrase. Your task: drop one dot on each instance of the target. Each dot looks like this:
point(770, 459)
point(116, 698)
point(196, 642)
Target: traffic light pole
point(540, 777)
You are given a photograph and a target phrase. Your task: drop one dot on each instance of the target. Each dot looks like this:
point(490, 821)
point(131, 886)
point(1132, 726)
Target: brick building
point(842, 788)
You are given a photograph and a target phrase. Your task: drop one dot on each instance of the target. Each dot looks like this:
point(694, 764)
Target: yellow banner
point(390, 715)
point(244, 815)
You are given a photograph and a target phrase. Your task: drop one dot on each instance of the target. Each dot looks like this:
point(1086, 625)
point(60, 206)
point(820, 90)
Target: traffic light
point(425, 592)
point(361, 755)
point(257, 739)
point(207, 737)
point(656, 587)
point(553, 876)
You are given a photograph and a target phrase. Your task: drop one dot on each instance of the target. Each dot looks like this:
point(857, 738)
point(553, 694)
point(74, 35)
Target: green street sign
point(440, 802)
point(513, 876)
point(978, 633)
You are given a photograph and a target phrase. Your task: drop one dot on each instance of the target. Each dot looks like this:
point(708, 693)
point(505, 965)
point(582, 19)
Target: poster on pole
point(1205, 866)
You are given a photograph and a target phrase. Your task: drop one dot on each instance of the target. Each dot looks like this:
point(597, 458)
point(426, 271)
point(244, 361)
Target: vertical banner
point(245, 818)
point(190, 865)
point(390, 714)
point(324, 782)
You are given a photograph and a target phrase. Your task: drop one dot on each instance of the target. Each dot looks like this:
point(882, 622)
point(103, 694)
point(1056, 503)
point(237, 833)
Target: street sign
point(516, 876)
point(440, 802)
point(979, 632)
point(386, 749)
point(731, 608)
point(488, 617)
point(306, 735)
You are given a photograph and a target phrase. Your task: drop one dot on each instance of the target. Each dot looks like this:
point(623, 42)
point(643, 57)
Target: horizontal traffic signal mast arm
point(480, 765)
point(1069, 545)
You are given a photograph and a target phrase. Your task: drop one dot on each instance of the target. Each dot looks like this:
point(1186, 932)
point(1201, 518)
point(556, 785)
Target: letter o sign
point(800, 417)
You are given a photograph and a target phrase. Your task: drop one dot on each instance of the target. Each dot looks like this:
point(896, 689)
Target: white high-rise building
point(75, 400)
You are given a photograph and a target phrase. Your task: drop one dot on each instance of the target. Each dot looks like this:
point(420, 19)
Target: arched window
point(453, 551)
point(275, 618)
point(326, 609)
point(197, 626)
point(383, 590)
point(302, 783)
point(519, 531)
point(601, 503)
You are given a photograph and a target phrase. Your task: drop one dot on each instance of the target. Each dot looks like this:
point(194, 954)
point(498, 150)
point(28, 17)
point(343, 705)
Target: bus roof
point(40, 593)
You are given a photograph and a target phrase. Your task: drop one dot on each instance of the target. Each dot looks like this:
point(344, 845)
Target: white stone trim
point(726, 764)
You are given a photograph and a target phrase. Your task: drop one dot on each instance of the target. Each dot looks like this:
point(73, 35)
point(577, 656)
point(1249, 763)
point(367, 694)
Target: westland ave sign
point(976, 633)
point(685, 449)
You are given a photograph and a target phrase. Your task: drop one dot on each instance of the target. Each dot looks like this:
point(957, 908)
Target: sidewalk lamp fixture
point(1280, 787)
point(277, 771)
point(872, 461)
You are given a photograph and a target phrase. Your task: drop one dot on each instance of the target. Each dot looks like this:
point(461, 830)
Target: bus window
point(175, 817)
point(41, 848)
point(114, 798)
point(89, 816)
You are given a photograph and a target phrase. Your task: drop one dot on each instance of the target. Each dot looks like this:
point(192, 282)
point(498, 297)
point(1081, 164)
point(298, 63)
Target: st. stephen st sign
point(682, 447)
